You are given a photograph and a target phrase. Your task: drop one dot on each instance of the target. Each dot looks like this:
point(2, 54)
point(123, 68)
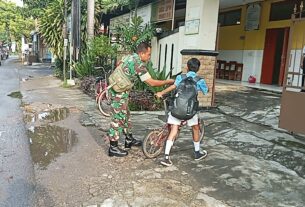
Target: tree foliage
point(13, 24)
point(130, 36)
point(51, 24)
point(112, 5)
point(35, 8)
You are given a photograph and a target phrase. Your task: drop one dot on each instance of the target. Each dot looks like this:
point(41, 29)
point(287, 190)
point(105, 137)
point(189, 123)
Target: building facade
point(257, 35)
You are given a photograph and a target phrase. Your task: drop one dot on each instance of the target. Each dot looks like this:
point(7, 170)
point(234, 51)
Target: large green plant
point(85, 67)
point(130, 36)
point(155, 74)
point(142, 97)
point(100, 47)
point(99, 53)
point(51, 24)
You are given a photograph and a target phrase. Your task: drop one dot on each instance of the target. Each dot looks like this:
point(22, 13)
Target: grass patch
point(66, 85)
point(16, 94)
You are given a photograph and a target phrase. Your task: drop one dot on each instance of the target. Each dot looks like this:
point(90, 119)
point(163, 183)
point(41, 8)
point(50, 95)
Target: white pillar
point(204, 13)
point(90, 19)
point(154, 52)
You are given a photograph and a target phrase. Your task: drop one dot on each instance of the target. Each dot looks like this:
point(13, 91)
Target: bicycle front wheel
point(153, 143)
point(104, 104)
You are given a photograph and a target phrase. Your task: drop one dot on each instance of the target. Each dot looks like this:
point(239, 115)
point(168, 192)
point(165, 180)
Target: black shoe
point(166, 161)
point(130, 141)
point(114, 150)
point(200, 155)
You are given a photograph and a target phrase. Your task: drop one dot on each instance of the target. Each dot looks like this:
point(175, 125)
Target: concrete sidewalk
point(251, 161)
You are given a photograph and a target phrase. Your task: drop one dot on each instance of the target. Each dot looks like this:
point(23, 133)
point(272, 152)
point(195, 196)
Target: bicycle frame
point(183, 123)
point(103, 84)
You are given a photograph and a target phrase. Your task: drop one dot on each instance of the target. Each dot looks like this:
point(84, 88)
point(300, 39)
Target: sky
point(18, 2)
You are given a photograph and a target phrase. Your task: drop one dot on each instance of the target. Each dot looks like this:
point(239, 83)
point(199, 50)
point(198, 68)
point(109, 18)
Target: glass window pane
point(282, 10)
point(229, 18)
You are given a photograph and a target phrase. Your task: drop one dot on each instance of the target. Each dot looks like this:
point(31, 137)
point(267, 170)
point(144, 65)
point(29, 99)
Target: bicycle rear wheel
point(153, 143)
point(104, 104)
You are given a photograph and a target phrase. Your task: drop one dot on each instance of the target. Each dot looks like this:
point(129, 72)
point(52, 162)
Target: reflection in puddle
point(48, 142)
point(52, 115)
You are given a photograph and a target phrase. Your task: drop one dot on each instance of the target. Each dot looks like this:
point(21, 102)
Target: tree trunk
point(90, 20)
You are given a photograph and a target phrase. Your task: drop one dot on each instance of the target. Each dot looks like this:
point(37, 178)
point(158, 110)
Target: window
point(283, 10)
point(229, 18)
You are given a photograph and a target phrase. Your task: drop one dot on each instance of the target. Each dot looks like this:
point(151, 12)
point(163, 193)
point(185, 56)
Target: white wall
point(230, 55)
point(294, 66)
point(169, 41)
point(252, 60)
point(207, 12)
point(177, 39)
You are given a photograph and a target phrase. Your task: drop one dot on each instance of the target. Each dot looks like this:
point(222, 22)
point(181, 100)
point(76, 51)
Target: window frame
point(225, 13)
point(283, 3)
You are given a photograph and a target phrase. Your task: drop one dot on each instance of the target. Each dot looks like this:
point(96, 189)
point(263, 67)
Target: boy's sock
point(197, 146)
point(168, 146)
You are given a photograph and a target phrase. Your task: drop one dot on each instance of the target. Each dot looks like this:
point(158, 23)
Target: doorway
point(274, 58)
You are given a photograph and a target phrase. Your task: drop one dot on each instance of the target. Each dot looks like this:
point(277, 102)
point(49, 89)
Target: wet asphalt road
point(16, 168)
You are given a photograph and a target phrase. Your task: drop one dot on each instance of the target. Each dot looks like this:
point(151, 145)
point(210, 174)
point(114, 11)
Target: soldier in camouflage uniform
point(135, 67)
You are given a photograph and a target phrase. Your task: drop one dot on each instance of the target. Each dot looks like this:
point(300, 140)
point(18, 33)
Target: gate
point(292, 114)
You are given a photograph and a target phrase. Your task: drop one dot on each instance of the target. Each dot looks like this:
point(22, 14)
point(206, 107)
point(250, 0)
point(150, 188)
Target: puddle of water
point(52, 115)
point(16, 94)
point(49, 142)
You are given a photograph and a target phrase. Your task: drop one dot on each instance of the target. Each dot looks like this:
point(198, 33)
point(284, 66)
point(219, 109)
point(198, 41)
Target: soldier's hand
point(159, 94)
point(170, 81)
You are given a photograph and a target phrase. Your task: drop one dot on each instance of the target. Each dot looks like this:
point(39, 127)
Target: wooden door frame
point(284, 55)
point(286, 31)
point(264, 71)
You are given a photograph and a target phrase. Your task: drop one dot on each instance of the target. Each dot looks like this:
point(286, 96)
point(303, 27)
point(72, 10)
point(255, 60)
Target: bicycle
point(154, 142)
point(102, 97)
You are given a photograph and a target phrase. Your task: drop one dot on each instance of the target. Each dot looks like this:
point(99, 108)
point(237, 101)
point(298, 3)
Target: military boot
point(114, 150)
point(130, 141)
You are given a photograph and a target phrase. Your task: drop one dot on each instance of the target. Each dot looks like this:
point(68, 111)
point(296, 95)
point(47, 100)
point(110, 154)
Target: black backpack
point(185, 102)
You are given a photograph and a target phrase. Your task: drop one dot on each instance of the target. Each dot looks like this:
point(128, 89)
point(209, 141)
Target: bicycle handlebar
point(100, 67)
point(165, 96)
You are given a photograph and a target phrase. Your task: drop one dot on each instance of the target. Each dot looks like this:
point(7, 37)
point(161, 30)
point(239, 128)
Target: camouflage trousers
point(120, 115)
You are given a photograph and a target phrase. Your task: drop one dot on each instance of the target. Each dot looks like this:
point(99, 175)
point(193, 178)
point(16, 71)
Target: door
point(292, 113)
point(284, 56)
point(274, 57)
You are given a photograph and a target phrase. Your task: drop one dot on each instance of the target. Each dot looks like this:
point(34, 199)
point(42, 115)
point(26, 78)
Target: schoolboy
point(193, 66)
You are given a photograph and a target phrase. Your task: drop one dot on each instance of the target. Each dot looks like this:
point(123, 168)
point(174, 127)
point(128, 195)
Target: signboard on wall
point(192, 26)
point(114, 22)
point(145, 13)
point(253, 16)
point(162, 11)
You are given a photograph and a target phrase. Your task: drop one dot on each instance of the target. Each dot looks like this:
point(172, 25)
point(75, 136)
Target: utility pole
point(65, 35)
point(90, 19)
